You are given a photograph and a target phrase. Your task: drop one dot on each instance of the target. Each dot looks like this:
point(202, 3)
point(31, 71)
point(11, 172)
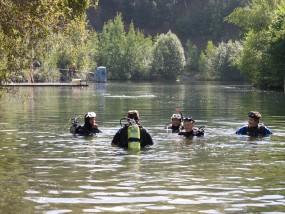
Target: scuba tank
point(134, 135)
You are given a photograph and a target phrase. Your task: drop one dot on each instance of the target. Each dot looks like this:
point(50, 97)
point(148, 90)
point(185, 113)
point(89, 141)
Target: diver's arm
point(116, 139)
point(267, 130)
point(241, 130)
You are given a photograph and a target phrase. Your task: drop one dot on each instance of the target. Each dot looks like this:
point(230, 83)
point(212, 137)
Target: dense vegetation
point(54, 32)
point(146, 39)
point(263, 57)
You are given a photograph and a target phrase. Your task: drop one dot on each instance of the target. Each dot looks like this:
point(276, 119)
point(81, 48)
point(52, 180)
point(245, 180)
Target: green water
point(45, 169)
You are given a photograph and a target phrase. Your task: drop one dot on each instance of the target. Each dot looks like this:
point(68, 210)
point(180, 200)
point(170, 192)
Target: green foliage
point(227, 54)
point(148, 13)
point(194, 23)
point(251, 62)
point(192, 58)
point(205, 19)
point(209, 62)
point(255, 17)
point(77, 48)
point(111, 48)
point(168, 57)
point(276, 49)
point(26, 27)
point(220, 63)
point(138, 54)
point(262, 59)
point(126, 55)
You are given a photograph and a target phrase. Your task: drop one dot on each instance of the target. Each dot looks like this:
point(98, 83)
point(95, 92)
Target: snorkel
point(180, 112)
point(74, 121)
point(124, 118)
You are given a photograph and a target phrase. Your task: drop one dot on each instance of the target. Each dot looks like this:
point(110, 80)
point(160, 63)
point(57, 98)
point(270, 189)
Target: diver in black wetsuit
point(132, 135)
point(89, 128)
point(190, 130)
point(176, 123)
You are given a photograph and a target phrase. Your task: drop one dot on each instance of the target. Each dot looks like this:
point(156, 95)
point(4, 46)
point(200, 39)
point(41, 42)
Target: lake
point(45, 169)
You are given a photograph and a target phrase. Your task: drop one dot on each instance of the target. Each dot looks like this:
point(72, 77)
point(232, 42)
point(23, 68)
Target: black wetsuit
point(86, 130)
point(195, 132)
point(175, 129)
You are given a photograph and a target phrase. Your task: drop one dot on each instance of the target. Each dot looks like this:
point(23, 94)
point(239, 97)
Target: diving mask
point(176, 116)
point(90, 114)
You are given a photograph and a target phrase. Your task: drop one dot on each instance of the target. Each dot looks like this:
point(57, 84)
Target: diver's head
point(133, 115)
point(188, 123)
point(176, 119)
point(253, 118)
point(89, 118)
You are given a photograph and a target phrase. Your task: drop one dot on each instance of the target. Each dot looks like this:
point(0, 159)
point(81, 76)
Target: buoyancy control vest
point(254, 131)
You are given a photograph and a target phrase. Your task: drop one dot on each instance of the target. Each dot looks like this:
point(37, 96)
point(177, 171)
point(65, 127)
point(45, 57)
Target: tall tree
point(168, 57)
point(24, 24)
point(111, 48)
point(257, 62)
point(127, 55)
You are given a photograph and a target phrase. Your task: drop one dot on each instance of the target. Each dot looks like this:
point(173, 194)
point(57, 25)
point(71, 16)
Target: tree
point(127, 55)
point(208, 63)
point(227, 53)
point(168, 57)
point(257, 63)
point(111, 48)
point(192, 58)
point(26, 24)
point(138, 53)
point(276, 48)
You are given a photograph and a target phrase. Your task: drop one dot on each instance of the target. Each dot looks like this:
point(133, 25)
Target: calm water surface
point(45, 169)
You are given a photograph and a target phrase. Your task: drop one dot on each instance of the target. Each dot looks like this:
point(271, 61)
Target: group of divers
point(133, 135)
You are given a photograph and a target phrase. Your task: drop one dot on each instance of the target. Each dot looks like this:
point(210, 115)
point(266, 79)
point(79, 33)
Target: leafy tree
point(194, 23)
point(26, 24)
point(126, 55)
point(76, 48)
point(205, 18)
point(168, 57)
point(148, 13)
point(111, 48)
point(227, 53)
point(257, 62)
point(276, 49)
point(208, 62)
point(202, 66)
point(138, 54)
point(220, 62)
point(192, 58)
point(255, 16)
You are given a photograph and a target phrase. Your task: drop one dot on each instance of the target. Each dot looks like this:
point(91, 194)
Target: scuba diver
point(254, 128)
point(132, 135)
point(89, 128)
point(190, 130)
point(176, 123)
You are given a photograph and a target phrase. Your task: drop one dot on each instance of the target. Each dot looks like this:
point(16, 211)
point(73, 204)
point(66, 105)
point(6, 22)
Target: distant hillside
point(197, 20)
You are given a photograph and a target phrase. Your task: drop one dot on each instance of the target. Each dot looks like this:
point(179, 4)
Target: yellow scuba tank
point(134, 137)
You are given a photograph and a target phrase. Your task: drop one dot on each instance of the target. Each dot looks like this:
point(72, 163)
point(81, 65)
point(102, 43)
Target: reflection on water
point(45, 169)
